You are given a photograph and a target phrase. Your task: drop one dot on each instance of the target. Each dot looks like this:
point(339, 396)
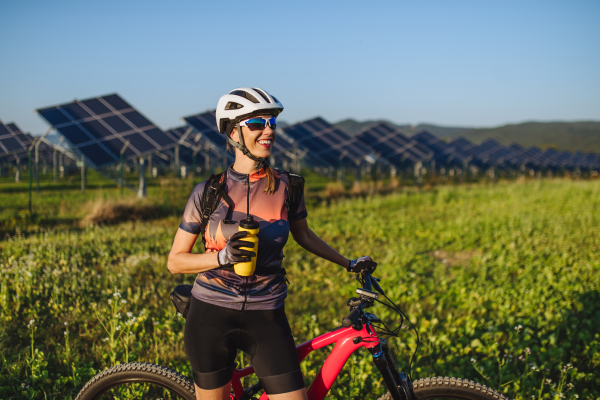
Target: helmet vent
point(233, 106)
point(244, 94)
point(275, 98)
point(264, 96)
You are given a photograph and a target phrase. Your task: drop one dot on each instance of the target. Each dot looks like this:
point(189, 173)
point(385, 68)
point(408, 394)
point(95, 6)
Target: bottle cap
point(249, 223)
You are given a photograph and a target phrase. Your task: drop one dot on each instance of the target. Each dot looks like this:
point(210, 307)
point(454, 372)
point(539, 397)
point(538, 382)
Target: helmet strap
point(242, 147)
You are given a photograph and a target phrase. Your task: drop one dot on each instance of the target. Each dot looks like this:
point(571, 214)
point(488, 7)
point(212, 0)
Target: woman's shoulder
point(199, 189)
point(281, 175)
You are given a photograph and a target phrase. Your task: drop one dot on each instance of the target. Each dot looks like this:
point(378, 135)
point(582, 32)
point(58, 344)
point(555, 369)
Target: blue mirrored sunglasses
point(259, 124)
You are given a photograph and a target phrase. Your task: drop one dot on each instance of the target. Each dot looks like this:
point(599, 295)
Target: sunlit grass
point(501, 281)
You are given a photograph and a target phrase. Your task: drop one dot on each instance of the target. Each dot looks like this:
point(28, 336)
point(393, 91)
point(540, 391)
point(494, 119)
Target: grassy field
point(501, 281)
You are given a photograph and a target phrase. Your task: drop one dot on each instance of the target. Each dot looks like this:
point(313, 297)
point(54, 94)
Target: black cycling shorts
point(213, 334)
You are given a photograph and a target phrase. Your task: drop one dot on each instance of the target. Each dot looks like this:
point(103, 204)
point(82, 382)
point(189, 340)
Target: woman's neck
point(244, 165)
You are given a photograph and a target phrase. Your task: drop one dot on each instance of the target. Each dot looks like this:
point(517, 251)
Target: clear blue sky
point(455, 63)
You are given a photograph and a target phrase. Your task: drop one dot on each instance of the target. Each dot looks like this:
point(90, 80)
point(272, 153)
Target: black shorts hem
point(284, 383)
point(213, 380)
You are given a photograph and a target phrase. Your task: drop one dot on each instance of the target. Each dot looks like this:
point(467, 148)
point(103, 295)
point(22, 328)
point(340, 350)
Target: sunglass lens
point(255, 126)
point(259, 124)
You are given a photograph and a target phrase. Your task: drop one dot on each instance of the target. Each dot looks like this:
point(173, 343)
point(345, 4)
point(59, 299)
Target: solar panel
point(547, 158)
point(99, 128)
point(12, 140)
point(494, 153)
point(327, 144)
point(444, 153)
point(206, 124)
point(575, 160)
point(391, 144)
point(196, 141)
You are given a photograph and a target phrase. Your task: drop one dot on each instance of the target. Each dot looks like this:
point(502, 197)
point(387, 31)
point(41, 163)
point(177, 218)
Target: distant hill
point(583, 135)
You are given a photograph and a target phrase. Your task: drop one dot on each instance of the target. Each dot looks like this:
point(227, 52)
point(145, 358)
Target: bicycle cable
point(394, 332)
point(412, 358)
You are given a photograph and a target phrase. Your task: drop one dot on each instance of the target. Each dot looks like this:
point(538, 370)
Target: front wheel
point(450, 388)
point(138, 381)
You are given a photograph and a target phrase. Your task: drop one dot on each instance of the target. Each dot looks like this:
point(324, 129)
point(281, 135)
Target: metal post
point(194, 163)
point(29, 170)
point(18, 170)
point(54, 166)
point(121, 173)
point(37, 159)
point(177, 159)
point(37, 167)
point(142, 186)
point(150, 164)
point(418, 167)
point(82, 174)
point(207, 158)
point(121, 156)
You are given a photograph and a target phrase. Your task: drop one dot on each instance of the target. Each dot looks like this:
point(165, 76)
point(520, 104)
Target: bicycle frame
point(343, 338)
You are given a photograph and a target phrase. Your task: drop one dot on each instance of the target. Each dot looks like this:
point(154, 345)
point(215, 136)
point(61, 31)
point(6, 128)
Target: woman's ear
point(234, 135)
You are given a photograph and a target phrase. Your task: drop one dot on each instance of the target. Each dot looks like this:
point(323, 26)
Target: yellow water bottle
point(250, 226)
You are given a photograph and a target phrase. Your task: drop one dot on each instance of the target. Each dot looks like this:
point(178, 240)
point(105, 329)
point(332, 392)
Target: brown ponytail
point(270, 182)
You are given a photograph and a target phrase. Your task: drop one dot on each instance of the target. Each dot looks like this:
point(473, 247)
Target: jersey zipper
point(247, 213)
point(245, 294)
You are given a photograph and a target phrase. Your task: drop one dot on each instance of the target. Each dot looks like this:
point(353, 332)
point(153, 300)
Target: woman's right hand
point(232, 252)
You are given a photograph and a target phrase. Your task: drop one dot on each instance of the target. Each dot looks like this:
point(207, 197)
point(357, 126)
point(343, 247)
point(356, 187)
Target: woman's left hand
point(364, 263)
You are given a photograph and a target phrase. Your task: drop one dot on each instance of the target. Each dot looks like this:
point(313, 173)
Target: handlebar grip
point(351, 319)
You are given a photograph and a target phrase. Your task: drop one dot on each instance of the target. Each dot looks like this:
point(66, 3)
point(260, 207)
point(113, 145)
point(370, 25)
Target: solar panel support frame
point(58, 149)
point(121, 183)
point(37, 160)
point(82, 174)
point(142, 190)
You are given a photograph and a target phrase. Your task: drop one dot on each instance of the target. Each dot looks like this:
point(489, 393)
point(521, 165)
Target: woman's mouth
point(266, 142)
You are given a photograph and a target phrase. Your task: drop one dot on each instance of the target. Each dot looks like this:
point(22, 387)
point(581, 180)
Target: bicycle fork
point(396, 382)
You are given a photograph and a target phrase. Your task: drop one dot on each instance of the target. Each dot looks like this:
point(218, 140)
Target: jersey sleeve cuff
point(298, 216)
point(194, 229)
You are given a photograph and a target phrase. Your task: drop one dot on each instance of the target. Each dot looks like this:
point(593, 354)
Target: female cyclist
point(227, 311)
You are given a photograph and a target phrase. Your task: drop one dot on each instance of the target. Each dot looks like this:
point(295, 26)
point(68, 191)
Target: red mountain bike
point(359, 329)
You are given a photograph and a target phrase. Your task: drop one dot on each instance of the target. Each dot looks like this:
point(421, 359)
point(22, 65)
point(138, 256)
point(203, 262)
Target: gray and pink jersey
point(223, 287)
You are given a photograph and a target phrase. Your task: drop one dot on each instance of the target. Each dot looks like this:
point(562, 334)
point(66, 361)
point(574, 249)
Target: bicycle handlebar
point(352, 318)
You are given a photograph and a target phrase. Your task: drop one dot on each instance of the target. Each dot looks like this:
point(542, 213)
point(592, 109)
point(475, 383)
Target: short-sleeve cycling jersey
point(223, 287)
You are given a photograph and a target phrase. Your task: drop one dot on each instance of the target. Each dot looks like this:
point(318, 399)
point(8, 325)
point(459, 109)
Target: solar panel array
point(490, 153)
point(444, 153)
point(13, 141)
point(327, 144)
point(99, 127)
point(392, 145)
point(389, 142)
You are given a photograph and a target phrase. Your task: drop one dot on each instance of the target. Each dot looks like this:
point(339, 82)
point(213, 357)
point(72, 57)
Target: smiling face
point(260, 142)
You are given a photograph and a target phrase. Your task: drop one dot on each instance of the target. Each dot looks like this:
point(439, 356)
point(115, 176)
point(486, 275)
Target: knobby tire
point(124, 374)
point(450, 388)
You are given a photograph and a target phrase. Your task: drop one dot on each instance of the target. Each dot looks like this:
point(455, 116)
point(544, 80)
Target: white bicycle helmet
point(241, 104)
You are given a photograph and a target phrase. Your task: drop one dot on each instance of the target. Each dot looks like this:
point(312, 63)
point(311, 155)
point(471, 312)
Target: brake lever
point(375, 284)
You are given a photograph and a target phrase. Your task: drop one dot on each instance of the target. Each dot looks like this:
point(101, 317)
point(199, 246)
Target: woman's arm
point(306, 238)
point(182, 261)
